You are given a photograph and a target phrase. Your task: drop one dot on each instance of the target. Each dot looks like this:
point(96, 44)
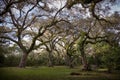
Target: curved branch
point(8, 38)
point(8, 7)
point(28, 13)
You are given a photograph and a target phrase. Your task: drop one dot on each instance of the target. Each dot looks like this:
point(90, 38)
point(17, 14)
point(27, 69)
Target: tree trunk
point(86, 66)
point(69, 60)
point(23, 60)
point(71, 63)
point(109, 68)
point(50, 59)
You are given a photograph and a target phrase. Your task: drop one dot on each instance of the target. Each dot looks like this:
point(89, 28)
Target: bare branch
point(8, 38)
point(28, 13)
point(8, 5)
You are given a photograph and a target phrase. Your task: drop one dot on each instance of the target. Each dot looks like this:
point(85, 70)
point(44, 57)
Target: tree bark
point(86, 66)
point(23, 60)
point(50, 59)
point(110, 67)
point(69, 61)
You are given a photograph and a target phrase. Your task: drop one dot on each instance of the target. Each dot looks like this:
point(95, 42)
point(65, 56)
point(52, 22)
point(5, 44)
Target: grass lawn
point(56, 73)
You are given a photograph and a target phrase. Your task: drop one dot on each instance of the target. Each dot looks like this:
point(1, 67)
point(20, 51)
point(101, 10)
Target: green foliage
point(112, 58)
point(2, 58)
point(80, 41)
point(95, 60)
point(37, 60)
point(3, 51)
point(11, 60)
point(9, 55)
point(109, 55)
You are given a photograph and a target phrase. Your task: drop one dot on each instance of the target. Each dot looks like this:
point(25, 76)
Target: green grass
point(56, 73)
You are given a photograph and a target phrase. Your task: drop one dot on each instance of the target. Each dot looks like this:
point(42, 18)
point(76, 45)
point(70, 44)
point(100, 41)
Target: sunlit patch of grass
point(55, 73)
point(102, 70)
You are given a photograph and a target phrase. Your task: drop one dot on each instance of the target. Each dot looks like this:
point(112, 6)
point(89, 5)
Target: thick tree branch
point(8, 38)
point(8, 6)
point(41, 33)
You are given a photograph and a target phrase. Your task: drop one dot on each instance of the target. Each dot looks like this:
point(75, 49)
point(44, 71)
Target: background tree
point(50, 40)
point(22, 23)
